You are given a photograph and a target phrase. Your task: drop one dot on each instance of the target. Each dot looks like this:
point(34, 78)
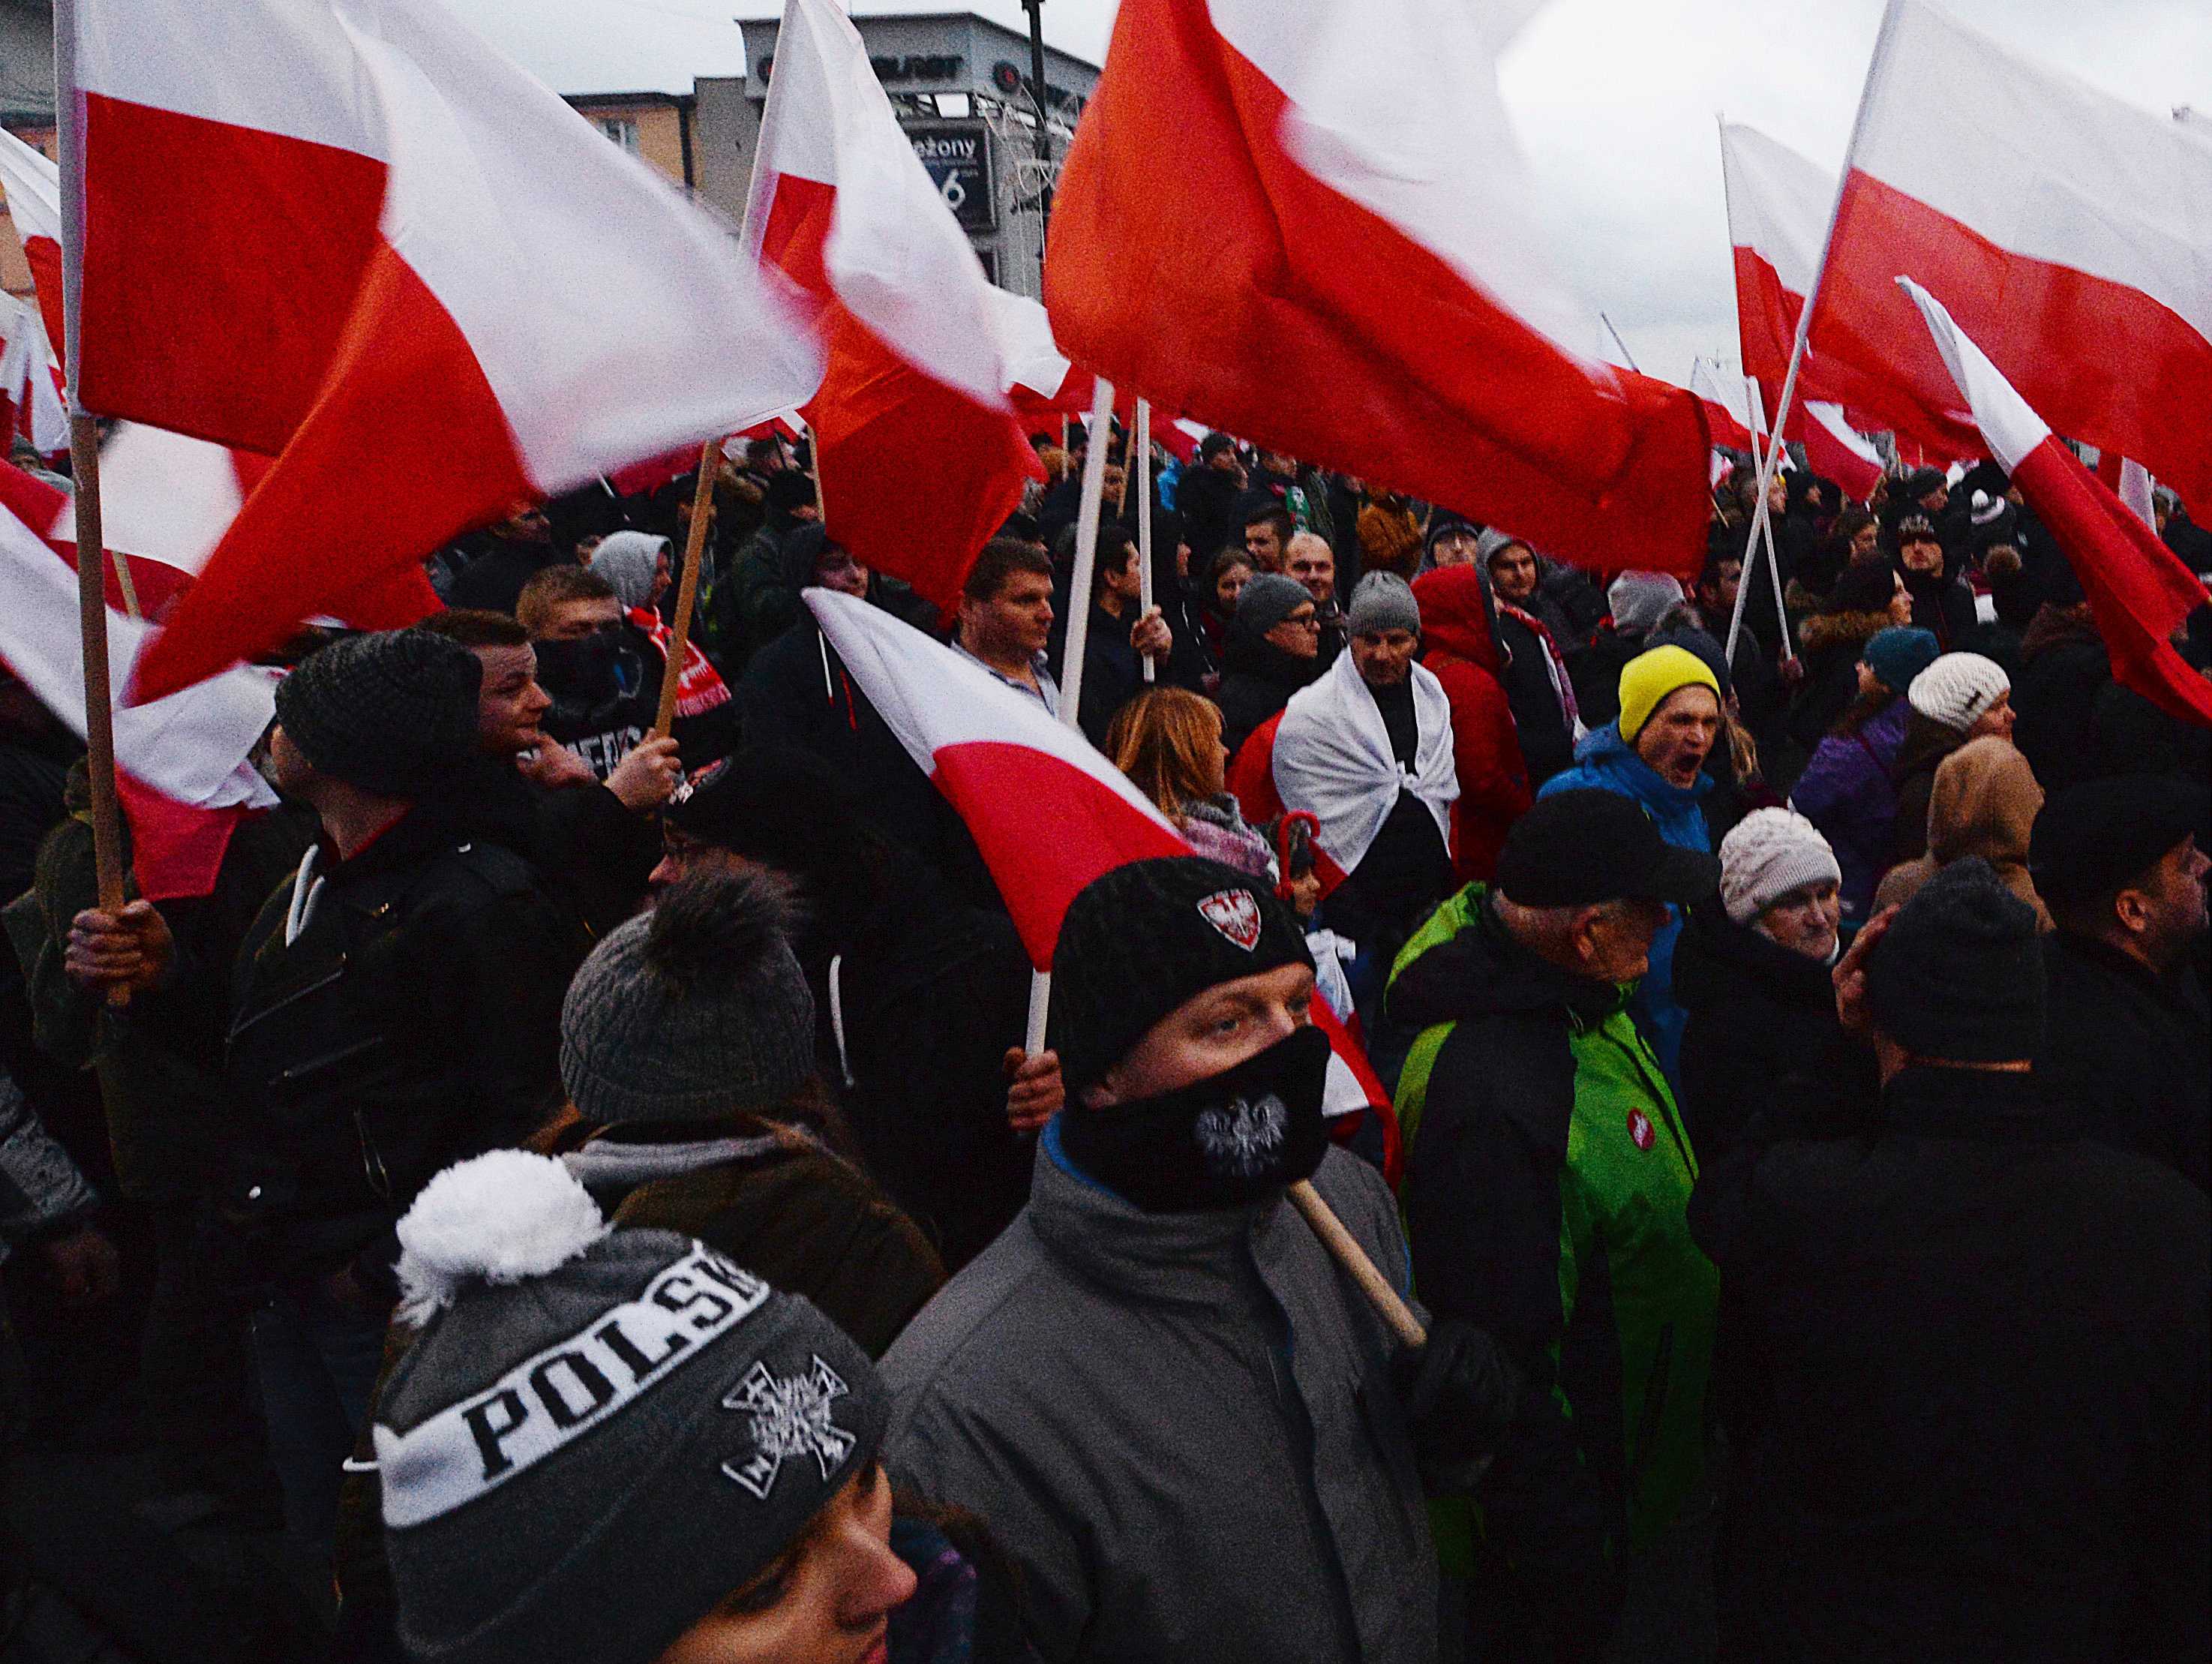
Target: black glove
point(1460, 1392)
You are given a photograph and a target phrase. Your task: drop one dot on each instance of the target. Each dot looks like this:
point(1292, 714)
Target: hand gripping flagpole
point(84, 466)
point(687, 588)
point(1143, 465)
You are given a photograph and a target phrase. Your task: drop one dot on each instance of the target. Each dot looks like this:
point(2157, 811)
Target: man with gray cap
point(1367, 750)
point(1272, 650)
point(1971, 1347)
point(1175, 1410)
point(396, 1006)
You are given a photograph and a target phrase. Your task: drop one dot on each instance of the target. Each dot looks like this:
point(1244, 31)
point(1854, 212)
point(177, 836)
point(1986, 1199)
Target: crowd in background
point(1800, 1059)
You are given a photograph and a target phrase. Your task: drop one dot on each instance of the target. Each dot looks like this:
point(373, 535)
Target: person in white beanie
point(1752, 972)
point(1960, 696)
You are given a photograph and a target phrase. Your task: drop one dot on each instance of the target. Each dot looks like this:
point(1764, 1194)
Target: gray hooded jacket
point(1181, 1427)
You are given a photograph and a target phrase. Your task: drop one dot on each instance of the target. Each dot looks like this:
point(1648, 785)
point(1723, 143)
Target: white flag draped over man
point(349, 233)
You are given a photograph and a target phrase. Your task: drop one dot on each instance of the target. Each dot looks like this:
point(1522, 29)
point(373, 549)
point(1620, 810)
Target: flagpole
point(687, 589)
point(1079, 634)
point(1745, 577)
point(1618, 342)
point(85, 468)
point(1143, 465)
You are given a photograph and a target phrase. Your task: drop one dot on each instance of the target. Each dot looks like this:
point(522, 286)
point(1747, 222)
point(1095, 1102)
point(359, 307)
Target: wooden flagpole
point(1341, 1242)
point(1142, 464)
point(687, 588)
point(84, 467)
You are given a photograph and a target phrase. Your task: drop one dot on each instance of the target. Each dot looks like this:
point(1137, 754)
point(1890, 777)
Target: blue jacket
point(1606, 762)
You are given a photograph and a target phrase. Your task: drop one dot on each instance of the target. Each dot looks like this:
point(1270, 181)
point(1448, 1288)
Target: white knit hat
point(1957, 689)
point(1770, 853)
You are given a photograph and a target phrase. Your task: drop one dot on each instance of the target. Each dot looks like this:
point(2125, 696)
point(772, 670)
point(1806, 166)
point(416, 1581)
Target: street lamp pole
point(1035, 10)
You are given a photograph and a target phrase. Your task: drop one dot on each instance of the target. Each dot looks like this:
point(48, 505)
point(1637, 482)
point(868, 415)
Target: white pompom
point(498, 1217)
point(1981, 498)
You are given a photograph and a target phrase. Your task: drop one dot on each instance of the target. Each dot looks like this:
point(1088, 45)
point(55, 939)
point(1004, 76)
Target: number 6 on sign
point(954, 193)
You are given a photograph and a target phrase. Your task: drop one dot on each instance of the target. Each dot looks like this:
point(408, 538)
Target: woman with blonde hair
point(1168, 741)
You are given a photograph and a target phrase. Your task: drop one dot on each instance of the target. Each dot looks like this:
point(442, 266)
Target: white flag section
point(1047, 810)
point(2139, 490)
point(26, 379)
point(191, 746)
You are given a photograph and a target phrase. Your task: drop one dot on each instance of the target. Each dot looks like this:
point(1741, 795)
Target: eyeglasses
point(1311, 621)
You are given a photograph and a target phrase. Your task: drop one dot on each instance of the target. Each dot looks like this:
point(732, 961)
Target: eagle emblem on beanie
point(1241, 1138)
point(1235, 914)
point(790, 1417)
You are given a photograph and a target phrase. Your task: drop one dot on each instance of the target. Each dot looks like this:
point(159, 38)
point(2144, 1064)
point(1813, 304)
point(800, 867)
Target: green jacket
point(1547, 1184)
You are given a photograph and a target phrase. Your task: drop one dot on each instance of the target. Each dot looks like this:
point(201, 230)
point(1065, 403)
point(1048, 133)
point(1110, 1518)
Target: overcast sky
point(1614, 101)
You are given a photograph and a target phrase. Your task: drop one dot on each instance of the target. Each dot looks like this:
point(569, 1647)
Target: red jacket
point(1459, 649)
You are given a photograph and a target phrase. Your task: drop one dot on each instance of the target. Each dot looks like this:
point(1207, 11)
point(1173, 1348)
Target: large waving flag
point(348, 232)
point(181, 768)
point(917, 448)
point(2139, 591)
point(2069, 232)
point(31, 404)
point(1047, 811)
point(1308, 224)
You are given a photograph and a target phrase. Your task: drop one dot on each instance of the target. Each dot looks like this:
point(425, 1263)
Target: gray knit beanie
point(599, 1434)
point(1267, 599)
point(693, 1011)
point(1492, 541)
point(394, 712)
point(628, 561)
point(1384, 600)
point(1637, 600)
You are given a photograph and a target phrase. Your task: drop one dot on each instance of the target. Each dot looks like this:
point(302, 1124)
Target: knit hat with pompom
point(693, 1011)
point(598, 1436)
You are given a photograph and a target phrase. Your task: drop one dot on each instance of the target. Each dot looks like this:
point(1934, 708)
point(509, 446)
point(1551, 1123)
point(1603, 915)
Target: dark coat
point(1830, 644)
point(2130, 1051)
point(1759, 1014)
point(1943, 604)
point(1257, 680)
point(1926, 743)
point(1984, 1344)
point(1595, 670)
point(494, 580)
point(2063, 667)
point(1206, 498)
point(1540, 721)
point(414, 1022)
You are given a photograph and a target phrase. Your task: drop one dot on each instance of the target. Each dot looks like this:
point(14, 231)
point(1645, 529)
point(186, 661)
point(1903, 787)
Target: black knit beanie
point(1139, 940)
point(1959, 978)
point(394, 712)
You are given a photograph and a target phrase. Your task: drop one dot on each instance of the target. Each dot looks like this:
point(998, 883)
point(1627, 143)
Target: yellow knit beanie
point(1649, 678)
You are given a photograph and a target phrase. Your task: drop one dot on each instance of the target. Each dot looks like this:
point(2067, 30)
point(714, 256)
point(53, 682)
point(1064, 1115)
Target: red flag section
point(34, 189)
point(917, 448)
point(2139, 591)
point(1308, 225)
point(358, 236)
point(1047, 811)
point(2065, 229)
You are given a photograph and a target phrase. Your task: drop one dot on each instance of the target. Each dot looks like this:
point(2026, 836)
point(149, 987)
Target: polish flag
point(1835, 449)
point(917, 447)
point(1310, 224)
point(31, 404)
point(1181, 438)
point(181, 767)
point(1726, 418)
point(2066, 231)
point(33, 188)
point(1047, 810)
point(346, 233)
point(2139, 590)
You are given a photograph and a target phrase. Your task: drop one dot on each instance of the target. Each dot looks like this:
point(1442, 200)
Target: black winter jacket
point(414, 1020)
point(1762, 1022)
point(1985, 1346)
point(2130, 1051)
point(1257, 680)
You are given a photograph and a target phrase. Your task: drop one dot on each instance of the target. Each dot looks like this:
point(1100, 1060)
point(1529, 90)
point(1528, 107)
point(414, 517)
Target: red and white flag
point(1726, 417)
point(1309, 225)
point(181, 768)
point(2065, 229)
point(917, 447)
point(2139, 590)
point(348, 232)
point(1047, 810)
point(1835, 449)
point(34, 189)
point(31, 405)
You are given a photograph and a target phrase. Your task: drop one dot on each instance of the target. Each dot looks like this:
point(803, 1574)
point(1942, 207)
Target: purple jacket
point(1846, 791)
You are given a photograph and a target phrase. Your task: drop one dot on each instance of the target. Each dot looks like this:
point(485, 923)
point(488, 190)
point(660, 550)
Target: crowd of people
point(571, 1189)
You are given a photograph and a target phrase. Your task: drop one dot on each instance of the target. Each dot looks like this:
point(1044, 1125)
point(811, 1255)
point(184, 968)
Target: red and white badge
point(1639, 1129)
point(1235, 914)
